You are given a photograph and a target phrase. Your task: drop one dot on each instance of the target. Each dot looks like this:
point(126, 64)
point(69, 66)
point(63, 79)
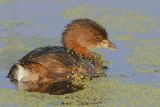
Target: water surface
point(133, 76)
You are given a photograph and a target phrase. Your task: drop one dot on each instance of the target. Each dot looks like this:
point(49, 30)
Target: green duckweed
point(13, 23)
point(124, 25)
point(3, 1)
point(102, 91)
point(114, 20)
point(98, 92)
point(17, 46)
point(125, 38)
point(144, 55)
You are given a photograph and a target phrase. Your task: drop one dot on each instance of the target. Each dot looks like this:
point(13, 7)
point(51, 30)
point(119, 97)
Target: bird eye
point(98, 37)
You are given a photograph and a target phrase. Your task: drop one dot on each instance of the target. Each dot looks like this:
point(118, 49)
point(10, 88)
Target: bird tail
point(14, 72)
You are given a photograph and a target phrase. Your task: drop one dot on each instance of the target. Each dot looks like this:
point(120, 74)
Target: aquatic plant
point(144, 55)
point(102, 91)
point(17, 46)
point(124, 26)
point(113, 19)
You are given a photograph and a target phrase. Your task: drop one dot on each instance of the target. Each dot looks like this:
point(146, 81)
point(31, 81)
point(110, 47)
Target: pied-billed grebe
point(54, 64)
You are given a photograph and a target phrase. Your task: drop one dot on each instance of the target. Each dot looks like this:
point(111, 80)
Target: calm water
point(23, 20)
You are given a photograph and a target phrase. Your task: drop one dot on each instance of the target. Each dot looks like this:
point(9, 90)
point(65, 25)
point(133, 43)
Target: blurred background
point(133, 76)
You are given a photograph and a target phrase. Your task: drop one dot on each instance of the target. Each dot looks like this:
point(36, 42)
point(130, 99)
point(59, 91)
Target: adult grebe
point(54, 64)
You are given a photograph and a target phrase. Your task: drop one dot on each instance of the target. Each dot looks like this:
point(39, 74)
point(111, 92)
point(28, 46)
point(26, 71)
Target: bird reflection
point(57, 88)
point(50, 88)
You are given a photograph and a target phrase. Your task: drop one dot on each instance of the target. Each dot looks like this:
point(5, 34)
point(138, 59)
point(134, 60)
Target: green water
point(132, 78)
point(98, 92)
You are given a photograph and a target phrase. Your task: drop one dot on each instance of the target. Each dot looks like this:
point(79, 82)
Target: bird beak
point(108, 44)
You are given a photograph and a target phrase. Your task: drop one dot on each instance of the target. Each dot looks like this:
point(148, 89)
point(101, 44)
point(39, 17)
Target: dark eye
point(99, 38)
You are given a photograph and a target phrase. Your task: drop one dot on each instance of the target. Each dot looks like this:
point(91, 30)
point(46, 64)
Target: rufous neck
point(79, 50)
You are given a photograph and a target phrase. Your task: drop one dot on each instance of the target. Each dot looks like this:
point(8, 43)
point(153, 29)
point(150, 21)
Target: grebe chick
point(54, 64)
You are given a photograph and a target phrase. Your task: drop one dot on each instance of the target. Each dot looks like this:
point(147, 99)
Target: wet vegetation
point(98, 92)
point(114, 20)
point(17, 46)
point(125, 27)
point(3, 1)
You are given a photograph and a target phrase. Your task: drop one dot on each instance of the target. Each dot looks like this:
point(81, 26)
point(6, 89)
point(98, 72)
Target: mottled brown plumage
point(54, 64)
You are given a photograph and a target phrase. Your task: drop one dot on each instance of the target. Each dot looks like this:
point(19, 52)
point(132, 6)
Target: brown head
point(82, 34)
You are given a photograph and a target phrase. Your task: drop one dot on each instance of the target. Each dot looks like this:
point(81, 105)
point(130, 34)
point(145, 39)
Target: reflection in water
point(51, 88)
point(57, 88)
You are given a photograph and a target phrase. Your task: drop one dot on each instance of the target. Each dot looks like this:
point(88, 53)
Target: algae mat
point(135, 30)
point(98, 92)
point(17, 46)
point(119, 21)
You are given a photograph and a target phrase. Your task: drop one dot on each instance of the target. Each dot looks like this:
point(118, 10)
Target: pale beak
point(108, 44)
